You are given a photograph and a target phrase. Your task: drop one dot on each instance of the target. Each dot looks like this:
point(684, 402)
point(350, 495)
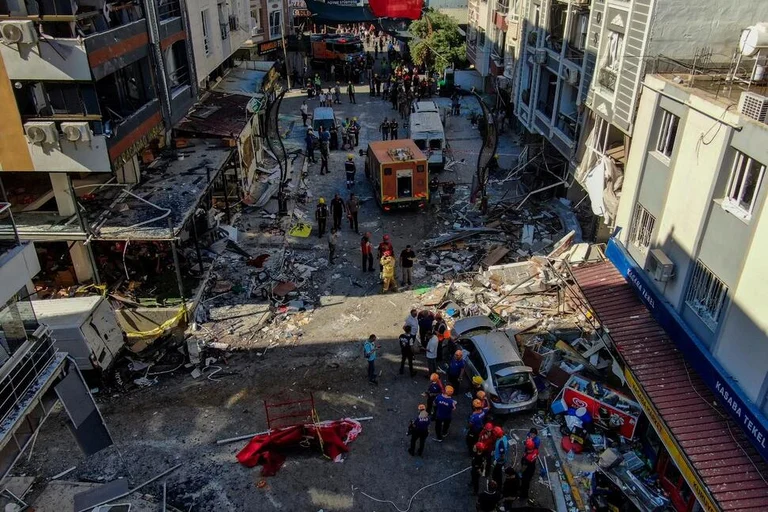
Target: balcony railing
point(607, 78)
point(502, 7)
point(25, 372)
point(178, 78)
point(574, 55)
point(168, 9)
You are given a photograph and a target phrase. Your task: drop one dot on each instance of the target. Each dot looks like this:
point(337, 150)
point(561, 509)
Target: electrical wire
point(727, 422)
point(410, 502)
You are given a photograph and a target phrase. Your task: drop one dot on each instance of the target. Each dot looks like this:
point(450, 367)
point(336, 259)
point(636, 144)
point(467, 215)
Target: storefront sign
point(270, 46)
point(681, 461)
point(741, 409)
point(301, 13)
point(343, 3)
point(603, 414)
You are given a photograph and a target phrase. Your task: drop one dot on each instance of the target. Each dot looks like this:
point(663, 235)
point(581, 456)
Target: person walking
point(393, 129)
point(322, 98)
point(351, 92)
point(366, 249)
point(456, 369)
point(369, 352)
point(355, 131)
point(337, 211)
point(474, 425)
point(425, 318)
point(325, 140)
point(443, 333)
point(434, 390)
point(310, 140)
point(337, 93)
point(324, 163)
point(406, 339)
point(377, 85)
point(444, 407)
point(321, 216)
point(333, 240)
point(385, 246)
point(388, 272)
point(500, 455)
point(406, 263)
point(419, 430)
point(528, 464)
point(334, 142)
point(432, 346)
point(304, 112)
point(350, 170)
point(353, 206)
point(384, 127)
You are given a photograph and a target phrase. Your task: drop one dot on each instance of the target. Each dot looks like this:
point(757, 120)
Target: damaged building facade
point(90, 148)
point(580, 71)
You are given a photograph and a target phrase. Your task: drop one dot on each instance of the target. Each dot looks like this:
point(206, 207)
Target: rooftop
point(715, 88)
point(218, 115)
point(171, 187)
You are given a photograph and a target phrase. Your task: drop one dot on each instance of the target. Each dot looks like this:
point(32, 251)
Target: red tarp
point(266, 449)
point(409, 9)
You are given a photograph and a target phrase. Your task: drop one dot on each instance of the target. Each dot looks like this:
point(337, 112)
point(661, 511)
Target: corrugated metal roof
point(716, 447)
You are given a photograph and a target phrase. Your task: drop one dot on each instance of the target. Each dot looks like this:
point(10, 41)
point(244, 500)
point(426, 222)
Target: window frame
point(641, 228)
point(735, 190)
point(665, 141)
point(205, 16)
point(706, 289)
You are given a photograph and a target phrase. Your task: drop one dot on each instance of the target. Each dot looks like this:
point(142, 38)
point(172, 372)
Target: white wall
point(91, 156)
point(68, 61)
point(220, 49)
point(680, 27)
point(17, 268)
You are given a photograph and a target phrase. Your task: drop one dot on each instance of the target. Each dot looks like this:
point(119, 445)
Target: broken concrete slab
point(88, 499)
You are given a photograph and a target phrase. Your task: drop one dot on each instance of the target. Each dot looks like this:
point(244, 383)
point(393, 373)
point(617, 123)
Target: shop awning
point(712, 453)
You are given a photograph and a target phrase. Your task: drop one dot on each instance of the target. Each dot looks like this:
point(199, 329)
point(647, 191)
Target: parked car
point(325, 117)
point(492, 354)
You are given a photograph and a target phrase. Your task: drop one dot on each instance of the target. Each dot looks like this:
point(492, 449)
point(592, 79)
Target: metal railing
point(502, 7)
point(19, 381)
point(607, 78)
point(168, 9)
point(574, 54)
point(178, 78)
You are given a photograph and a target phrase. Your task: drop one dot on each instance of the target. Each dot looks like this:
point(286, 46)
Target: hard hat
point(449, 390)
point(321, 201)
point(386, 238)
point(434, 377)
point(477, 380)
point(354, 119)
point(480, 447)
point(337, 83)
point(496, 156)
point(459, 354)
point(489, 426)
point(498, 432)
point(477, 403)
point(422, 407)
point(350, 156)
point(481, 394)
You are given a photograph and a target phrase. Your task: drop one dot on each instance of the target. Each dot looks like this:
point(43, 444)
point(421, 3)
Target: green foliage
point(442, 47)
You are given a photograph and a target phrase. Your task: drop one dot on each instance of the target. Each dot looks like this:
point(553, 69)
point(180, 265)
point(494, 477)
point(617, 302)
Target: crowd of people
point(492, 452)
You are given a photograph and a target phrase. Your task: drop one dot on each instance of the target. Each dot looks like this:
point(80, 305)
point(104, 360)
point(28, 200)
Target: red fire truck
point(328, 48)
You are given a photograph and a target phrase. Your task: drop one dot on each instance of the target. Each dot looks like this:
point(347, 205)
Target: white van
point(426, 130)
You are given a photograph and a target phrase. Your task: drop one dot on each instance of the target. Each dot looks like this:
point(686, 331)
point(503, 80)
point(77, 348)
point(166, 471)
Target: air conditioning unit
point(540, 56)
point(18, 32)
point(41, 132)
point(76, 132)
point(754, 106)
point(660, 266)
point(572, 76)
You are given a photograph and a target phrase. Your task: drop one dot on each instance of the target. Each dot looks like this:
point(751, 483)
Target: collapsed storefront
point(702, 459)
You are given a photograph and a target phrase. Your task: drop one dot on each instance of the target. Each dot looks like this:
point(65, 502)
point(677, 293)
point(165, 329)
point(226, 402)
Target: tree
point(438, 42)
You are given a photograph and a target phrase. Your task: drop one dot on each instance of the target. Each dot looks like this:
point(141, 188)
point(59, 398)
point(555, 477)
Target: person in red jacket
point(529, 468)
point(366, 249)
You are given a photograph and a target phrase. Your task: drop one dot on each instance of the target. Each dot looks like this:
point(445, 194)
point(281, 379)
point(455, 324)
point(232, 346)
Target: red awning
point(408, 9)
point(715, 447)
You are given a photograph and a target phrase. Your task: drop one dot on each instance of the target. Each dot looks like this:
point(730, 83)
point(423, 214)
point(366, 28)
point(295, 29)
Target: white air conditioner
point(660, 266)
point(754, 106)
point(572, 76)
point(76, 132)
point(541, 56)
point(41, 132)
point(18, 32)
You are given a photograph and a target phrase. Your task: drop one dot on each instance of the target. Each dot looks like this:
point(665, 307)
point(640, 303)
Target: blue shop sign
point(740, 408)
